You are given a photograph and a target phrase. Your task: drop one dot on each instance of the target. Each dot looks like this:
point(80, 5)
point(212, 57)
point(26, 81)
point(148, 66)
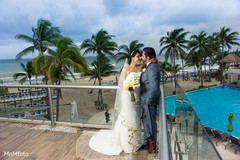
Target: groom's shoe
point(151, 147)
point(145, 145)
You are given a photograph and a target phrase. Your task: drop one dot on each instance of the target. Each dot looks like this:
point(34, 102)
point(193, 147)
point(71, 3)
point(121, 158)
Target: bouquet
point(131, 83)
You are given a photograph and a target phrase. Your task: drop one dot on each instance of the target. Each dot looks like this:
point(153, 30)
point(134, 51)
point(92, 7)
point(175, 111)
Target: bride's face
point(136, 59)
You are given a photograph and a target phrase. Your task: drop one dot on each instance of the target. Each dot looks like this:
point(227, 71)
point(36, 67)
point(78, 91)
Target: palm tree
point(60, 61)
point(63, 77)
point(106, 70)
point(165, 67)
point(134, 45)
point(27, 74)
point(176, 69)
point(226, 38)
point(174, 44)
point(43, 36)
point(101, 43)
point(183, 58)
point(237, 52)
point(200, 44)
point(211, 54)
point(193, 59)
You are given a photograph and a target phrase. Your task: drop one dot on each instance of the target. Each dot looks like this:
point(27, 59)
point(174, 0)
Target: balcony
point(57, 122)
point(33, 127)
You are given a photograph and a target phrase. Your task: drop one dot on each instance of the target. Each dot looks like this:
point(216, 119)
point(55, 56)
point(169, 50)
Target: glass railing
point(24, 103)
point(57, 104)
point(86, 106)
point(71, 105)
point(189, 140)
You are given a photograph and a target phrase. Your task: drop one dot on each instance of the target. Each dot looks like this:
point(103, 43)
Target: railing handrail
point(60, 86)
point(164, 153)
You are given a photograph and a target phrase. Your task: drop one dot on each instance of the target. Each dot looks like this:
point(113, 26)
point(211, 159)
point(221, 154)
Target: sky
point(143, 20)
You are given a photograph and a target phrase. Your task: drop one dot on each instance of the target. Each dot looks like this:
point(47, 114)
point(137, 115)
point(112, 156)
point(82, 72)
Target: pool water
point(213, 106)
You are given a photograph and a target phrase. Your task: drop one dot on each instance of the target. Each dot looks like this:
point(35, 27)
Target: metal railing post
point(50, 106)
point(164, 150)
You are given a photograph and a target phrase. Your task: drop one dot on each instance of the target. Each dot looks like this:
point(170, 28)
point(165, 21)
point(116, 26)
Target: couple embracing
point(126, 134)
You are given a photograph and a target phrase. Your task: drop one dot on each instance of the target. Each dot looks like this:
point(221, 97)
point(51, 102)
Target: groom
point(150, 93)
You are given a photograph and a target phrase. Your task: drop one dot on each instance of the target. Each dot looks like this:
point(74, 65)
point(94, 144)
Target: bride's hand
point(154, 60)
point(131, 90)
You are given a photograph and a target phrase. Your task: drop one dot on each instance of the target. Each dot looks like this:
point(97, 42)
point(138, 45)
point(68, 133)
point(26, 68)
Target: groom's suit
point(150, 93)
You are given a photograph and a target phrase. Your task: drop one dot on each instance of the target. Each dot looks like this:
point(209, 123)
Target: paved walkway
point(232, 152)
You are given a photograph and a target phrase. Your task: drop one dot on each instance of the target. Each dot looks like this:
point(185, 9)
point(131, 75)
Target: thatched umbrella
point(231, 58)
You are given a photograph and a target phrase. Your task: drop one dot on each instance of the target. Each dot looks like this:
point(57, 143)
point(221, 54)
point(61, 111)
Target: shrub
point(99, 106)
point(3, 91)
point(200, 88)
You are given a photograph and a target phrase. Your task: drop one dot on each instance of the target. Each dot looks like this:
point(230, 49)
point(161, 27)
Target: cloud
point(128, 20)
point(10, 49)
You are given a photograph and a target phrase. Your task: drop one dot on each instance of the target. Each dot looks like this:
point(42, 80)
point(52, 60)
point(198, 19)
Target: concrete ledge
point(24, 121)
point(56, 123)
point(98, 126)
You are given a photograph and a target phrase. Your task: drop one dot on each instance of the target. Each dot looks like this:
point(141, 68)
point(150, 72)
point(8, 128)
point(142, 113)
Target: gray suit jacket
point(150, 82)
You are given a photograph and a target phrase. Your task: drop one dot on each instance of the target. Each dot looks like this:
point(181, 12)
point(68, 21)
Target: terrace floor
point(29, 142)
point(232, 151)
point(70, 143)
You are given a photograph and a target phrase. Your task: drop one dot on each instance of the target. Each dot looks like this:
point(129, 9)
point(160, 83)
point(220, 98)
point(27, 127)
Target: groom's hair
point(149, 52)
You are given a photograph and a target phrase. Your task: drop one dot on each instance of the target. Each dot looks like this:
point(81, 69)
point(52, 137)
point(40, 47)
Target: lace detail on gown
point(122, 138)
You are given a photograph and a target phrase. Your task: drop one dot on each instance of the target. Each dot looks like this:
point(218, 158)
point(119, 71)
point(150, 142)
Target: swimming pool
point(213, 106)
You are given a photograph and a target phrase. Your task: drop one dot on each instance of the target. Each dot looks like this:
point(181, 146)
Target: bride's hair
point(130, 55)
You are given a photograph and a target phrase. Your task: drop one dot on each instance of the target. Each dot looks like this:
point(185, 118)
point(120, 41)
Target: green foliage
point(200, 44)
point(3, 91)
point(43, 36)
point(60, 60)
point(165, 67)
point(106, 68)
point(173, 46)
point(124, 50)
point(100, 106)
point(47, 116)
point(28, 73)
point(201, 87)
point(100, 43)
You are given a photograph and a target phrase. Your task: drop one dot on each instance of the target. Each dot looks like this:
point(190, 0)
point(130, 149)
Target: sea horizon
point(8, 67)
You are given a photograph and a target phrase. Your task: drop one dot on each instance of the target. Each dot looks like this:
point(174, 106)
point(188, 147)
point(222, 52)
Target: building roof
point(231, 58)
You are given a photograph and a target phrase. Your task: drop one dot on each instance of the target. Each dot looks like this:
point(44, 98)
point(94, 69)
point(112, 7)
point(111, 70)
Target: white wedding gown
point(127, 133)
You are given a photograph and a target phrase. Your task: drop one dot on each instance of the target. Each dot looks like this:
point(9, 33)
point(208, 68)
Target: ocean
point(10, 66)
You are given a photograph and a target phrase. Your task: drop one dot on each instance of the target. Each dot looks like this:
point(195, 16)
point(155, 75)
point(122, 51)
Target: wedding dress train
point(127, 133)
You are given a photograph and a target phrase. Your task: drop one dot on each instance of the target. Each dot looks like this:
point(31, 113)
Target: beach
point(85, 99)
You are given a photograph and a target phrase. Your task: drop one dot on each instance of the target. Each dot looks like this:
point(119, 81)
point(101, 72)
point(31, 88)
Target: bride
point(126, 134)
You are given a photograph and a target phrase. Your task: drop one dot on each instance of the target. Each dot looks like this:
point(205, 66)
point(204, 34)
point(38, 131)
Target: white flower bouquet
point(131, 83)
